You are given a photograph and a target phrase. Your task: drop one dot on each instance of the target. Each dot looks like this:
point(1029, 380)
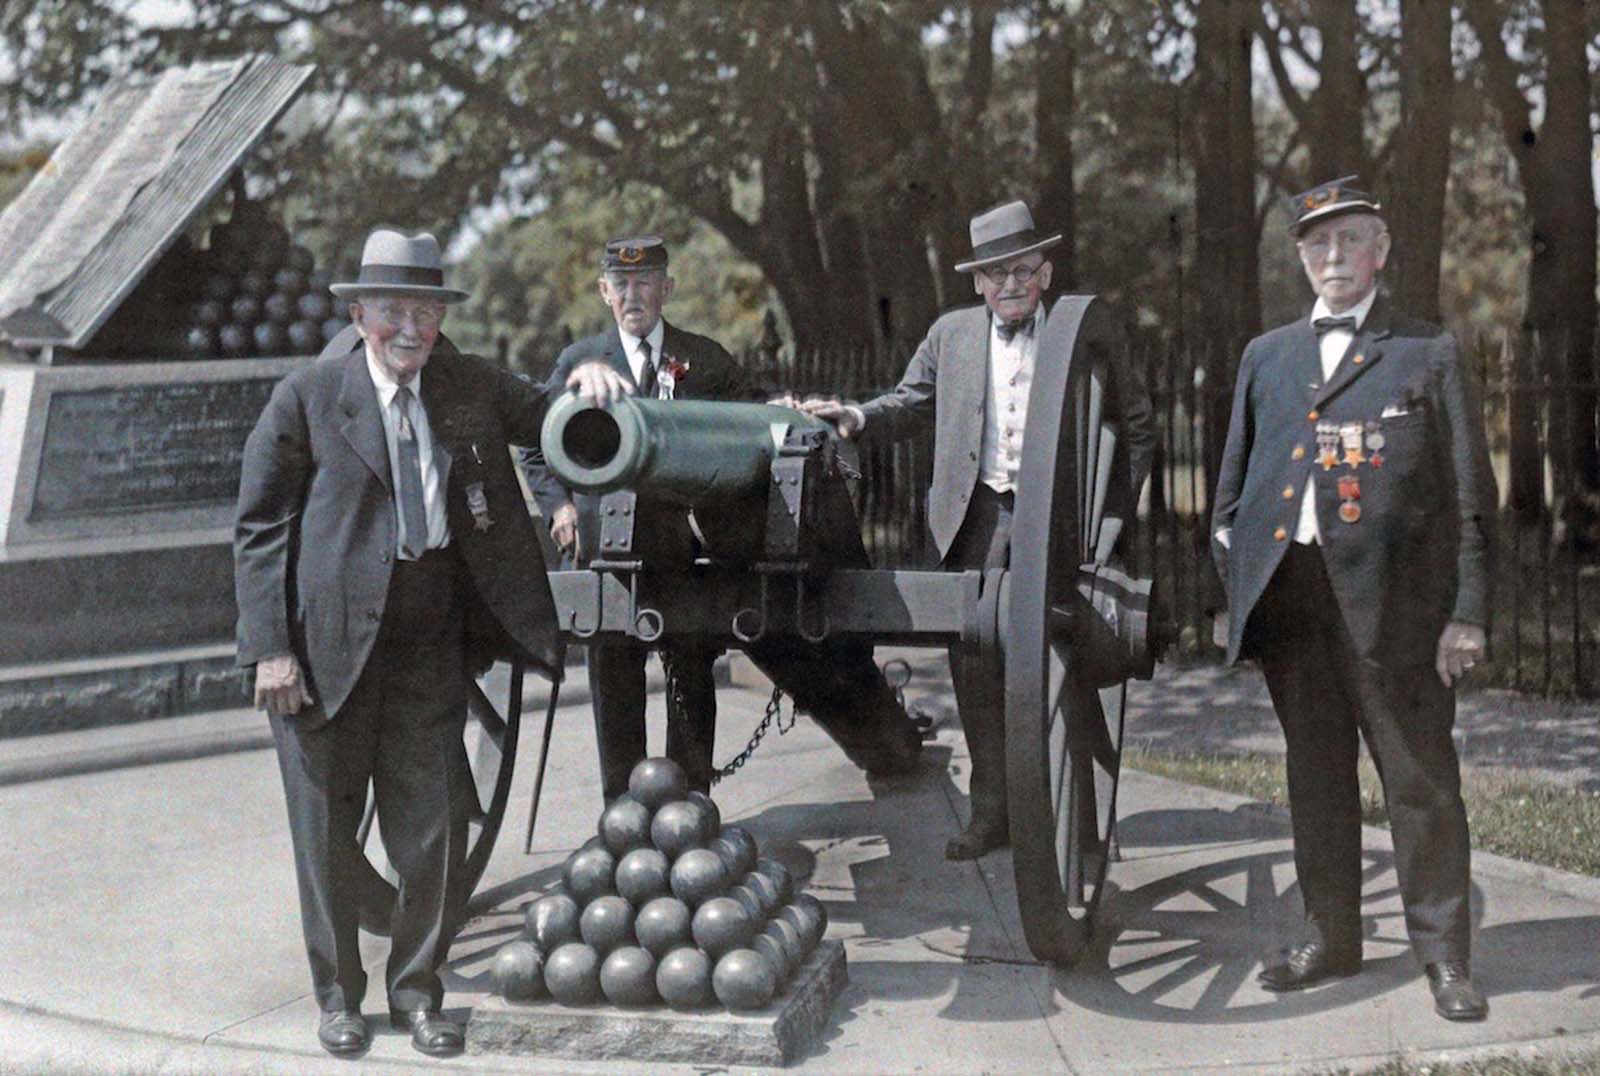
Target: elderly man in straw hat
point(382, 549)
point(970, 378)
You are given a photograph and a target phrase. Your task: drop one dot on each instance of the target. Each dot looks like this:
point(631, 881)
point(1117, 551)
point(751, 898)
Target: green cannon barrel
point(689, 452)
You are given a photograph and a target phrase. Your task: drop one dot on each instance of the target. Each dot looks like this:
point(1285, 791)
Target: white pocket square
point(1395, 411)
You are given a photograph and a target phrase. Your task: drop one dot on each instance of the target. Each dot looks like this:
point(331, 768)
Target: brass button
point(1313, 415)
point(1288, 493)
point(1358, 359)
point(1280, 534)
point(1299, 452)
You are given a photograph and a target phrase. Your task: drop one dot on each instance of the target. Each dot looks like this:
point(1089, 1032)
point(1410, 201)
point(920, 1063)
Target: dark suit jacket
point(1419, 555)
point(712, 375)
point(315, 537)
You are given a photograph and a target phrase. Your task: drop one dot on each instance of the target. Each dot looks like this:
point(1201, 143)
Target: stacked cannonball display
point(664, 905)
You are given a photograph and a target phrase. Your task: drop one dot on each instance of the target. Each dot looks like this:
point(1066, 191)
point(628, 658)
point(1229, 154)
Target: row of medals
point(1349, 438)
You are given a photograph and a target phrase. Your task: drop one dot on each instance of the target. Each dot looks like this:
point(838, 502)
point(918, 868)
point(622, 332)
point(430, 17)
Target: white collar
point(388, 386)
point(1360, 311)
point(630, 342)
point(1037, 318)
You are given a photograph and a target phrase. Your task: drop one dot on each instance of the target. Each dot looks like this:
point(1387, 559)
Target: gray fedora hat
point(1003, 232)
point(396, 264)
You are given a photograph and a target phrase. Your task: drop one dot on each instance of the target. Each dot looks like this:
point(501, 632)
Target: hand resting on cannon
point(845, 417)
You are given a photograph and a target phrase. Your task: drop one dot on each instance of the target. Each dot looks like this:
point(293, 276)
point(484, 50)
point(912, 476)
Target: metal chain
point(774, 710)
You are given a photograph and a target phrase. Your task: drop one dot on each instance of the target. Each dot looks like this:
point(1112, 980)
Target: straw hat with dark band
point(1001, 233)
point(395, 264)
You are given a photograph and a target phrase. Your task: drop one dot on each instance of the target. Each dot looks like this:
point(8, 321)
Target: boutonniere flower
point(669, 373)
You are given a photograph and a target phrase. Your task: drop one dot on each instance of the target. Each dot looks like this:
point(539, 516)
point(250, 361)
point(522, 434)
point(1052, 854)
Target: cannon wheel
point(1063, 734)
point(490, 741)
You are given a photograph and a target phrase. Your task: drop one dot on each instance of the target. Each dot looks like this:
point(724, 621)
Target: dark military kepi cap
point(1331, 199)
point(634, 254)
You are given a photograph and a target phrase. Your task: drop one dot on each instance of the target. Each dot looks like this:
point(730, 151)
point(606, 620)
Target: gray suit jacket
point(314, 541)
point(1418, 555)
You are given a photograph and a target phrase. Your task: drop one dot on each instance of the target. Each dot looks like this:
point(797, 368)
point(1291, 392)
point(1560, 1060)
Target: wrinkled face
point(636, 299)
point(1012, 288)
point(1342, 257)
point(400, 331)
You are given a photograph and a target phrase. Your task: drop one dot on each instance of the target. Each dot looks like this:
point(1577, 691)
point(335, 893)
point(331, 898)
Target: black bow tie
point(1008, 330)
point(1328, 325)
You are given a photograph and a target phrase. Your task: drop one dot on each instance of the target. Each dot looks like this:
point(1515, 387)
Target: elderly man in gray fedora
point(970, 377)
point(382, 549)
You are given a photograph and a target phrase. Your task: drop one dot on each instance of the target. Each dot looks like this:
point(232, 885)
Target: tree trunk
point(1416, 198)
point(1055, 104)
point(1337, 145)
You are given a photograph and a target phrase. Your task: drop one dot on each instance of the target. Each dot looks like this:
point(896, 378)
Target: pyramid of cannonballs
point(664, 905)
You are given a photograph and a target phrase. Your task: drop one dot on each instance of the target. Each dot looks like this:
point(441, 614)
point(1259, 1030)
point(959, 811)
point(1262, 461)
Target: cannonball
point(304, 338)
point(683, 978)
point(278, 307)
point(246, 309)
point(313, 306)
point(607, 924)
point(255, 283)
point(766, 891)
point(771, 950)
point(817, 908)
point(572, 974)
point(518, 971)
point(333, 327)
point(656, 781)
point(290, 280)
point(743, 980)
point(221, 287)
point(318, 279)
point(200, 341)
point(234, 340)
point(806, 922)
point(298, 257)
point(552, 921)
point(745, 845)
point(728, 852)
point(643, 874)
point(590, 873)
point(697, 876)
point(664, 924)
point(749, 901)
point(269, 338)
point(677, 827)
point(721, 925)
point(789, 941)
point(713, 825)
point(625, 825)
point(780, 876)
point(628, 977)
point(593, 842)
point(210, 312)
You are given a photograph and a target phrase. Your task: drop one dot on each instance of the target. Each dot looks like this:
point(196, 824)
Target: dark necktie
point(1328, 325)
point(647, 375)
point(1008, 330)
point(413, 514)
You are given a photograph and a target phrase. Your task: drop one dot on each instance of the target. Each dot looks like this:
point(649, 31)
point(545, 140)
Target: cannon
point(778, 568)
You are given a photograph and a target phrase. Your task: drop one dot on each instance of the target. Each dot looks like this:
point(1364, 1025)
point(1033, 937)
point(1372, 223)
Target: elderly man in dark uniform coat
point(1352, 532)
point(382, 549)
point(970, 378)
point(665, 362)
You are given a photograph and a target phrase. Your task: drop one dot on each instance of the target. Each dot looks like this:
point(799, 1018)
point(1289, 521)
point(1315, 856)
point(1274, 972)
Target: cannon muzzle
point(686, 452)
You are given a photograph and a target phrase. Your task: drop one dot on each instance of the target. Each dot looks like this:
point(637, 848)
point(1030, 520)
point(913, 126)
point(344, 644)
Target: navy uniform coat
point(315, 539)
point(1418, 557)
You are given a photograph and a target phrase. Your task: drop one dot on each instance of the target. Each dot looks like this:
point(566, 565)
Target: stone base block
point(776, 1035)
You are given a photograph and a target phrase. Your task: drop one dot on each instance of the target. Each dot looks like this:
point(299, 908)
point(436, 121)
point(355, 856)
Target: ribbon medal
point(478, 505)
point(1349, 498)
point(1350, 435)
point(1327, 445)
point(1375, 443)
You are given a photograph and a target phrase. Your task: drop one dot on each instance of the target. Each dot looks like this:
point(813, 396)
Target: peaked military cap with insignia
point(633, 254)
point(1331, 199)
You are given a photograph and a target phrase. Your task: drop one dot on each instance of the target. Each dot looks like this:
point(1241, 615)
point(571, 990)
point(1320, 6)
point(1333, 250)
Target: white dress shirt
point(636, 359)
point(1333, 344)
point(1006, 404)
point(432, 495)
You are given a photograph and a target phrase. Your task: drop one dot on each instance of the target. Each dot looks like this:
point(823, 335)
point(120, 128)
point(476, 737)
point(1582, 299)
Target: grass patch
point(1508, 813)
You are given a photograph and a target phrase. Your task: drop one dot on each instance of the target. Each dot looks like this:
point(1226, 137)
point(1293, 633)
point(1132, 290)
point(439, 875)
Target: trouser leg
point(616, 686)
point(692, 710)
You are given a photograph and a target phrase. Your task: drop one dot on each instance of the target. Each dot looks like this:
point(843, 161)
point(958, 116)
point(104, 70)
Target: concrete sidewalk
point(151, 924)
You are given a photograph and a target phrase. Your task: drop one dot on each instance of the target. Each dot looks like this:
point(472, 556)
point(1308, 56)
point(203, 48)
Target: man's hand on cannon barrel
point(599, 383)
point(847, 419)
point(564, 529)
point(280, 687)
point(1461, 646)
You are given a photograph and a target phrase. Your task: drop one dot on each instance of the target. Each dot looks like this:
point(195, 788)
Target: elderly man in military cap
point(970, 378)
point(1352, 532)
point(382, 549)
point(665, 362)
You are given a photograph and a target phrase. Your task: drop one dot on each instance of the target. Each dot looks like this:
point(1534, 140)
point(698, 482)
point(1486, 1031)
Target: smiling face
point(1342, 257)
point(636, 298)
point(399, 331)
point(1012, 287)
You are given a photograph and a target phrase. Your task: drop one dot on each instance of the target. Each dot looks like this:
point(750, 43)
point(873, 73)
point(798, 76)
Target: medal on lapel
point(1327, 445)
point(1349, 498)
point(1375, 443)
point(1350, 435)
point(478, 505)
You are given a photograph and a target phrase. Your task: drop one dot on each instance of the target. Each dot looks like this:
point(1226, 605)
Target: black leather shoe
point(978, 839)
point(344, 1032)
point(1308, 964)
point(431, 1033)
point(1454, 996)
